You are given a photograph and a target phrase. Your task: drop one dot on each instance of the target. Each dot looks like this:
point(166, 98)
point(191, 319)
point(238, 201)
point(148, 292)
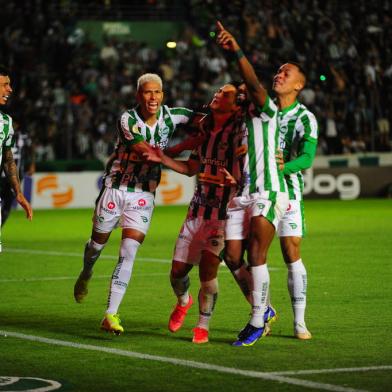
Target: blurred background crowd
point(68, 91)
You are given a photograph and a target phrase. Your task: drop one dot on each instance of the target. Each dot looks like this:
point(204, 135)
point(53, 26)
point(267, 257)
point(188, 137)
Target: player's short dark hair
point(300, 68)
point(236, 83)
point(4, 71)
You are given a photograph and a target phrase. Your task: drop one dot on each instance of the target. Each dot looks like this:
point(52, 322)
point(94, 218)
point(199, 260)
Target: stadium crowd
point(68, 92)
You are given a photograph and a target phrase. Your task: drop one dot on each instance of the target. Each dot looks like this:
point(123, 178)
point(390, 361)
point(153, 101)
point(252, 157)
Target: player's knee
point(209, 286)
point(179, 269)
point(232, 260)
point(291, 249)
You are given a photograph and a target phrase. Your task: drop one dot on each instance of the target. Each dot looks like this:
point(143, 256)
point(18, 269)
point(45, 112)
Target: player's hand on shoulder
point(229, 180)
point(154, 155)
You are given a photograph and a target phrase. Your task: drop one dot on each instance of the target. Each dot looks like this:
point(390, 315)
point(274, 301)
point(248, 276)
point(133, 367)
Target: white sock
point(122, 274)
point(261, 280)
point(244, 279)
point(297, 281)
point(208, 295)
point(180, 287)
point(92, 250)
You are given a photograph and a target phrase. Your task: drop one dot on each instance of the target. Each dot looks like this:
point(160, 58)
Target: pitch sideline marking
point(72, 254)
point(273, 376)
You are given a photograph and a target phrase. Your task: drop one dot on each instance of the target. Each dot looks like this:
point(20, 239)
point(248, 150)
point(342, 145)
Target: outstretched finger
point(219, 26)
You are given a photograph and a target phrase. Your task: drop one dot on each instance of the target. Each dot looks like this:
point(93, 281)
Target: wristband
point(239, 53)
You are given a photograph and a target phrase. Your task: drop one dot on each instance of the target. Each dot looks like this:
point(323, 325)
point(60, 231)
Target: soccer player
point(298, 142)
point(262, 199)
point(6, 138)
point(201, 239)
point(23, 154)
point(127, 197)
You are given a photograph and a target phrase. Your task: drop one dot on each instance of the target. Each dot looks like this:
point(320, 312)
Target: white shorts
point(131, 210)
point(271, 205)
point(293, 222)
point(197, 235)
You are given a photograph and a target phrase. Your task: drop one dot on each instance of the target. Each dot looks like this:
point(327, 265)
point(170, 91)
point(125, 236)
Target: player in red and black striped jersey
point(217, 165)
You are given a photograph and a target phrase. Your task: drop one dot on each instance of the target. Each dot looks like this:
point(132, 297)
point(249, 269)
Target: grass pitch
point(348, 257)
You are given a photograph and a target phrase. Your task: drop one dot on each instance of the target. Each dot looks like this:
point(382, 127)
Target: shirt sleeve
point(307, 130)
point(181, 115)
point(10, 139)
point(304, 160)
point(269, 108)
point(128, 130)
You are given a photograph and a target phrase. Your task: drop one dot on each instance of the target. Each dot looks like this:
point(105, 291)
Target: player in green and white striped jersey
point(6, 143)
point(254, 215)
point(298, 142)
point(127, 198)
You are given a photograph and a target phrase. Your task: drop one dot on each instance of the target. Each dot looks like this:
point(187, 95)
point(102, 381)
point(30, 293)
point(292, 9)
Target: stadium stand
point(68, 90)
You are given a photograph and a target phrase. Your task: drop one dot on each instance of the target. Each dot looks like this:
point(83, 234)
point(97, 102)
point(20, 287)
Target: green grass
point(348, 257)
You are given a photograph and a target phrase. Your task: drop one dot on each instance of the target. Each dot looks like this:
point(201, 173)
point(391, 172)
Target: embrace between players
point(248, 158)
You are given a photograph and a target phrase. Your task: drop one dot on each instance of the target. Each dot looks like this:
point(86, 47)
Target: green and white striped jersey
point(6, 133)
point(298, 139)
point(126, 171)
point(260, 142)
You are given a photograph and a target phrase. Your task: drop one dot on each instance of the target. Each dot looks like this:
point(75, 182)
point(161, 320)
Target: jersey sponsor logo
point(111, 205)
point(164, 131)
point(213, 162)
point(135, 129)
point(100, 218)
point(293, 225)
point(202, 200)
point(141, 202)
point(110, 212)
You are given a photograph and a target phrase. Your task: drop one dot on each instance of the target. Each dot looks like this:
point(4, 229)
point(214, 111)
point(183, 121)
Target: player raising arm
point(262, 199)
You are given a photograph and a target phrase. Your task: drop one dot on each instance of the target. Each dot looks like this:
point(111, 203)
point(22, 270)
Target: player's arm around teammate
point(127, 197)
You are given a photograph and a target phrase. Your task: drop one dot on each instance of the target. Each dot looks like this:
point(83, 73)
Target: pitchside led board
point(79, 190)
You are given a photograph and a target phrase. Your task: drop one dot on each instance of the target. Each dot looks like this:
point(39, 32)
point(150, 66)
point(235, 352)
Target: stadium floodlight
point(171, 44)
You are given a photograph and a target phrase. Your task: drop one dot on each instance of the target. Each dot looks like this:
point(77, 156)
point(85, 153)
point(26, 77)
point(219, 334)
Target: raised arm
point(258, 94)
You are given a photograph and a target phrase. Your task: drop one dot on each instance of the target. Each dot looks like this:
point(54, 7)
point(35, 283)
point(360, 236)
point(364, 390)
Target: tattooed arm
point(12, 174)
